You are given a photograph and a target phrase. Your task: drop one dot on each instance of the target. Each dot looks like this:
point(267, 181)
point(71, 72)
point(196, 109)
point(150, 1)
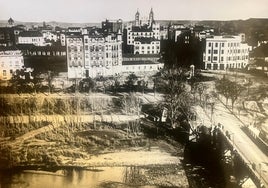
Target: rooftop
point(141, 55)
point(8, 48)
point(145, 40)
point(141, 29)
point(30, 34)
point(139, 63)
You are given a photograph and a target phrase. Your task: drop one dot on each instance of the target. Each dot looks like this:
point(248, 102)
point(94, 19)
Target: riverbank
point(88, 146)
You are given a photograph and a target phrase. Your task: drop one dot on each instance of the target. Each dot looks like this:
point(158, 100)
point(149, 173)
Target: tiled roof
point(30, 34)
point(8, 48)
point(145, 40)
point(41, 48)
point(141, 29)
point(141, 55)
point(139, 62)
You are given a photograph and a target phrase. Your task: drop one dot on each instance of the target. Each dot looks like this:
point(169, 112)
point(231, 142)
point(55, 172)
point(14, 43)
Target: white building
point(63, 39)
point(31, 37)
point(146, 46)
point(142, 63)
point(11, 60)
point(94, 55)
point(50, 36)
point(141, 67)
point(75, 56)
point(143, 29)
point(223, 52)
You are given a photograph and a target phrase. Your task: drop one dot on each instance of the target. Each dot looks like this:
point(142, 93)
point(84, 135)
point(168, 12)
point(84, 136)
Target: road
point(241, 141)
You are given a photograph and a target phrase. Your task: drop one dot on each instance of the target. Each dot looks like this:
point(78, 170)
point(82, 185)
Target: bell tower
point(137, 18)
point(151, 17)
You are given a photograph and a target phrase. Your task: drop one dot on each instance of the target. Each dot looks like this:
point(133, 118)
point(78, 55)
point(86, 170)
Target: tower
point(137, 18)
point(10, 22)
point(151, 17)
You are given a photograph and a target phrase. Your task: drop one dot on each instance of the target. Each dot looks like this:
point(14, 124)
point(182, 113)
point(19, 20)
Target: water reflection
point(101, 177)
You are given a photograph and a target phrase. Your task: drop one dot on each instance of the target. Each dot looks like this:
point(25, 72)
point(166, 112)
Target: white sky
point(98, 10)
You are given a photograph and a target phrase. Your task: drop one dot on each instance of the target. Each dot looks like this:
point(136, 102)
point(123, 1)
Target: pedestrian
point(219, 125)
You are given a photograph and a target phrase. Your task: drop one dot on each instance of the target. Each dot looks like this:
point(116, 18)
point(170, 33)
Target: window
point(208, 58)
point(209, 44)
point(4, 73)
point(221, 58)
point(215, 51)
point(222, 51)
point(209, 51)
point(222, 44)
point(216, 44)
point(215, 58)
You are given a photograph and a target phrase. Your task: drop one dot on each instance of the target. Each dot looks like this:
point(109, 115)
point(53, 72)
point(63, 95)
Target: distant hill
point(4, 23)
point(256, 29)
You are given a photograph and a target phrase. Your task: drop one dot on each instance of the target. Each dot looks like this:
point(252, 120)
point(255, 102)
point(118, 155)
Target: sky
point(95, 11)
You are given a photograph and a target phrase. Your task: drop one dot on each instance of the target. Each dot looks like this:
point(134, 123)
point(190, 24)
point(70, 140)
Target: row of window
point(16, 63)
point(94, 40)
point(217, 44)
point(139, 67)
point(234, 58)
point(48, 53)
point(148, 47)
point(229, 51)
point(148, 52)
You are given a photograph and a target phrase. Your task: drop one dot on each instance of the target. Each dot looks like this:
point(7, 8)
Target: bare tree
point(230, 90)
point(177, 98)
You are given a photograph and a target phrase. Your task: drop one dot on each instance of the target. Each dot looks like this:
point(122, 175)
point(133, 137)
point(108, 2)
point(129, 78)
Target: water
point(102, 177)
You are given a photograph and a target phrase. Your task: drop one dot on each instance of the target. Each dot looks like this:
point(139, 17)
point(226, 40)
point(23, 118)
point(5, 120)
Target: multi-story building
point(7, 36)
point(11, 60)
point(31, 37)
point(32, 50)
point(145, 45)
point(223, 52)
point(142, 63)
point(94, 55)
point(143, 29)
point(75, 56)
point(112, 26)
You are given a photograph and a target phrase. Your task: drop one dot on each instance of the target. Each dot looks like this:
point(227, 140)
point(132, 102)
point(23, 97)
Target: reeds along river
point(72, 178)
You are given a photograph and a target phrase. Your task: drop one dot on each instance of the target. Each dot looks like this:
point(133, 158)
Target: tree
point(234, 92)
point(177, 98)
point(141, 85)
point(24, 82)
point(223, 87)
point(87, 85)
point(230, 90)
point(130, 83)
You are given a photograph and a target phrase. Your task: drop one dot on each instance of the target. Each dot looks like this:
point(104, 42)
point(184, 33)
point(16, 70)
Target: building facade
point(224, 52)
point(31, 37)
point(146, 46)
point(142, 63)
point(112, 26)
point(11, 60)
point(94, 55)
point(141, 30)
point(75, 56)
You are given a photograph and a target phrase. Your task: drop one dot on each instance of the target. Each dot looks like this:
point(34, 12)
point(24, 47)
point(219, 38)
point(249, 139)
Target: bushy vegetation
point(43, 105)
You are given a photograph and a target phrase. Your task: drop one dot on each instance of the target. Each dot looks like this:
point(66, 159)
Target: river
point(76, 178)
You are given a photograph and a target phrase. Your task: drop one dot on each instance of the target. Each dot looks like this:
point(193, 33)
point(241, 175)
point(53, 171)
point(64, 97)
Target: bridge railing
point(251, 167)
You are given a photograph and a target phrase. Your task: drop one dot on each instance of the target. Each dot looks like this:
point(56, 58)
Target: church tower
point(151, 17)
point(137, 18)
point(10, 22)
